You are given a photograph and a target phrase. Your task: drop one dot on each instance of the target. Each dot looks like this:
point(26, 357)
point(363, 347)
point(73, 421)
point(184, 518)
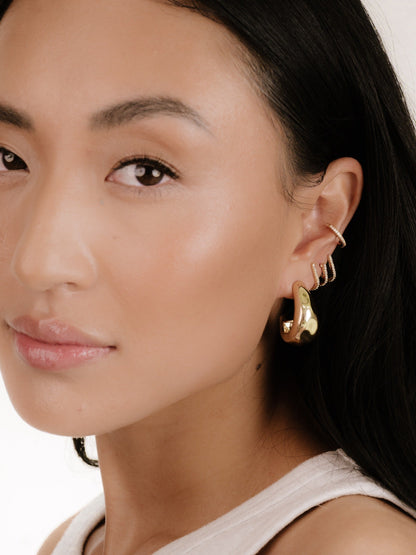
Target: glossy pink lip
point(55, 332)
point(53, 345)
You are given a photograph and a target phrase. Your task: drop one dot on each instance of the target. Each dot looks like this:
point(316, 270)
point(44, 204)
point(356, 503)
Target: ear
point(333, 201)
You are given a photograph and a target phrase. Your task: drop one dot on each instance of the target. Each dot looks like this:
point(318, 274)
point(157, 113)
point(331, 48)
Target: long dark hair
point(322, 69)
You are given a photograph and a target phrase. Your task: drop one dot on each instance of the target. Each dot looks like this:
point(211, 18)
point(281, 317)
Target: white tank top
point(250, 526)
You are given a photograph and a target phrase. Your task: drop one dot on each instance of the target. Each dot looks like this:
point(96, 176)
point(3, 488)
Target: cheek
point(195, 296)
point(185, 290)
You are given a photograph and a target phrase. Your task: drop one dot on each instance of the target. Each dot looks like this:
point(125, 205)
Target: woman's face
point(174, 259)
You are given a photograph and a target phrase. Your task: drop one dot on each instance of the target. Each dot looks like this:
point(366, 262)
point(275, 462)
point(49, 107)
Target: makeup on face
point(53, 345)
point(55, 357)
point(140, 205)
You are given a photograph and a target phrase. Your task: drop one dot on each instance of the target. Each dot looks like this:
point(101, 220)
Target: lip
point(54, 345)
point(55, 332)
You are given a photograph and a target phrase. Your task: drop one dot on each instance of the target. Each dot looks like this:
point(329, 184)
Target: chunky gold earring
point(305, 322)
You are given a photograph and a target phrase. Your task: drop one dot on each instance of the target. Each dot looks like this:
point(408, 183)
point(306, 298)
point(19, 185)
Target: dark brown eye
point(142, 172)
point(148, 175)
point(11, 161)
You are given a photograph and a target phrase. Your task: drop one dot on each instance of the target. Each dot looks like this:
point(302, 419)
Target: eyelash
point(4, 152)
point(144, 160)
point(147, 161)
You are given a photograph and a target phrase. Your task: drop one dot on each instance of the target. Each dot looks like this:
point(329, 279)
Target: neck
point(175, 471)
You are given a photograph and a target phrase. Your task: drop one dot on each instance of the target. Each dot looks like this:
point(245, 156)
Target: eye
point(144, 172)
point(10, 161)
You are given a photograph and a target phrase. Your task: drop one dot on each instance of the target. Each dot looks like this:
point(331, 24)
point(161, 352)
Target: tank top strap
point(75, 536)
point(246, 529)
point(249, 527)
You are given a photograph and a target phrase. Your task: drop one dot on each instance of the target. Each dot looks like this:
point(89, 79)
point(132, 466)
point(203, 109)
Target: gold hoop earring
point(305, 322)
point(341, 241)
point(332, 268)
point(325, 278)
point(324, 274)
point(316, 278)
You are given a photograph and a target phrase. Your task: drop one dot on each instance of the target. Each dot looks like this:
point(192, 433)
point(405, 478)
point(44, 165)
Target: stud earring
point(305, 322)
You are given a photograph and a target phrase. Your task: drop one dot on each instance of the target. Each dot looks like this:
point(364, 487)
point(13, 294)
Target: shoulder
point(350, 525)
point(53, 539)
point(360, 524)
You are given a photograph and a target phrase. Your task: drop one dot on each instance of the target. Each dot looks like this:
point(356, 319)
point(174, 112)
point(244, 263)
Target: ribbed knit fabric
point(250, 526)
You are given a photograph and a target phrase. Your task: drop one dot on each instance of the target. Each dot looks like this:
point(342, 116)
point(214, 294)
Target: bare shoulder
point(350, 525)
point(360, 524)
point(53, 539)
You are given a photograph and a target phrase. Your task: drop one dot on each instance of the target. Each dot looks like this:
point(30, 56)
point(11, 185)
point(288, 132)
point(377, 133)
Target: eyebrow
point(15, 117)
point(125, 112)
point(117, 114)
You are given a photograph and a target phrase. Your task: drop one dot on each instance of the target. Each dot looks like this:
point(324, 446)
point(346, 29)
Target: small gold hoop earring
point(324, 274)
point(332, 268)
point(342, 242)
point(317, 283)
point(305, 323)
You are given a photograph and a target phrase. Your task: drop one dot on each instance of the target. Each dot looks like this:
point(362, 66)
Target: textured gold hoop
point(315, 277)
point(305, 323)
point(323, 278)
point(332, 268)
point(342, 242)
point(324, 274)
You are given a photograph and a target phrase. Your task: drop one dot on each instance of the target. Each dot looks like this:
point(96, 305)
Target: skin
point(182, 277)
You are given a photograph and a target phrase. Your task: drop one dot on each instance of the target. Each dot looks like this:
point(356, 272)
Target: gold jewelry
point(324, 268)
point(305, 323)
point(332, 268)
point(315, 277)
point(325, 277)
point(324, 274)
point(342, 242)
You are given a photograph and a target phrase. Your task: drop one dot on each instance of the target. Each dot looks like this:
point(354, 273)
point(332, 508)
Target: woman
point(173, 174)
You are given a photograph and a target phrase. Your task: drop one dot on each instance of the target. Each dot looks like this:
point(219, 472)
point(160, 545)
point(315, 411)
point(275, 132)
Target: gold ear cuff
point(342, 243)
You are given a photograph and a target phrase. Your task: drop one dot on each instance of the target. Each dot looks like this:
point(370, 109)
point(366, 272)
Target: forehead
point(87, 52)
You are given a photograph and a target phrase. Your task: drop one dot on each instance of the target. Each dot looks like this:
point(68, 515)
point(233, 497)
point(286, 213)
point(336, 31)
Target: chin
point(54, 423)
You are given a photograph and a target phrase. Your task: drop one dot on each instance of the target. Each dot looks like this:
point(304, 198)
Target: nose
point(53, 246)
